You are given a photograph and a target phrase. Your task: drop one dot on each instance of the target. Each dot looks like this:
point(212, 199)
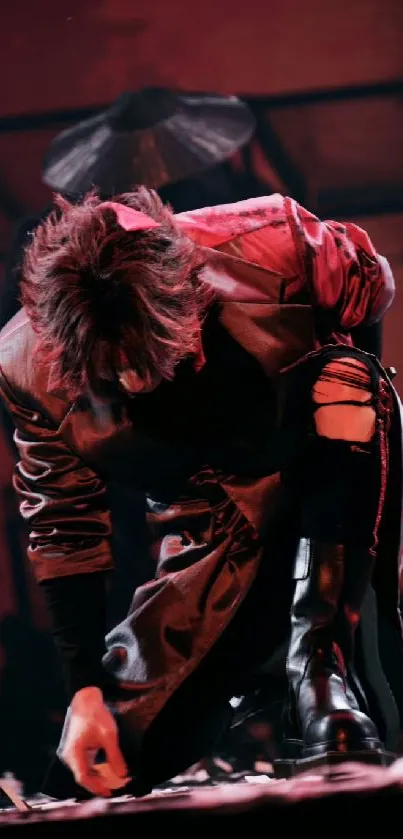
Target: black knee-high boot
point(333, 569)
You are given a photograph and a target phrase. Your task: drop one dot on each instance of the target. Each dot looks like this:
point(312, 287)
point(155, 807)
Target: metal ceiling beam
point(345, 212)
point(372, 200)
point(278, 157)
point(375, 90)
point(48, 119)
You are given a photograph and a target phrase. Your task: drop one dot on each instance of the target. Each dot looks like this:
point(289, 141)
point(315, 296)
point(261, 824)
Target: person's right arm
point(64, 503)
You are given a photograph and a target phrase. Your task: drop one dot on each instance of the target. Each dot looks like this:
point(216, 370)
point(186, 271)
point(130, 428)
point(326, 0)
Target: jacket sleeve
point(345, 274)
point(64, 504)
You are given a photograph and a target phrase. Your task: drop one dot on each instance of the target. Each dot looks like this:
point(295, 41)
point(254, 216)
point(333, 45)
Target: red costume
point(209, 450)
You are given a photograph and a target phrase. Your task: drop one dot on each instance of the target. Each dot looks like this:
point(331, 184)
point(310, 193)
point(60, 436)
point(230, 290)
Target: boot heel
point(288, 767)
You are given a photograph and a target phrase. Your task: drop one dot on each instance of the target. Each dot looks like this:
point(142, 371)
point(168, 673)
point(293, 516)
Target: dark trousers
point(195, 718)
point(198, 715)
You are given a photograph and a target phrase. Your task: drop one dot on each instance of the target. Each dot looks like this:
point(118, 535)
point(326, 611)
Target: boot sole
point(290, 767)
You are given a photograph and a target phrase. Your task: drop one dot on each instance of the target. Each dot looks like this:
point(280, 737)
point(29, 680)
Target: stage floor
point(311, 802)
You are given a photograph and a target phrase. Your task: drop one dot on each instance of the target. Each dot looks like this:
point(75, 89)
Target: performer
point(206, 359)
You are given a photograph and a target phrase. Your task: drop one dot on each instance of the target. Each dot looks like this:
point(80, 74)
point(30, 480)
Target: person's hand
point(91, 727)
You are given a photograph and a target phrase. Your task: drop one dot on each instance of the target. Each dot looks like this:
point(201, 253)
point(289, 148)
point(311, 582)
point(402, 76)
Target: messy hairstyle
point(100, 297)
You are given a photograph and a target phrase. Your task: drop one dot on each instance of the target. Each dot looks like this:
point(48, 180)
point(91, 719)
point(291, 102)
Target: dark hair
point(100, 297)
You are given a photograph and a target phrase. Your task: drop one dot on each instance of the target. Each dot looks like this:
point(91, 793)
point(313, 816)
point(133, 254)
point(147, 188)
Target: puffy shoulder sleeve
point(343, 270)
point(61, 499)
